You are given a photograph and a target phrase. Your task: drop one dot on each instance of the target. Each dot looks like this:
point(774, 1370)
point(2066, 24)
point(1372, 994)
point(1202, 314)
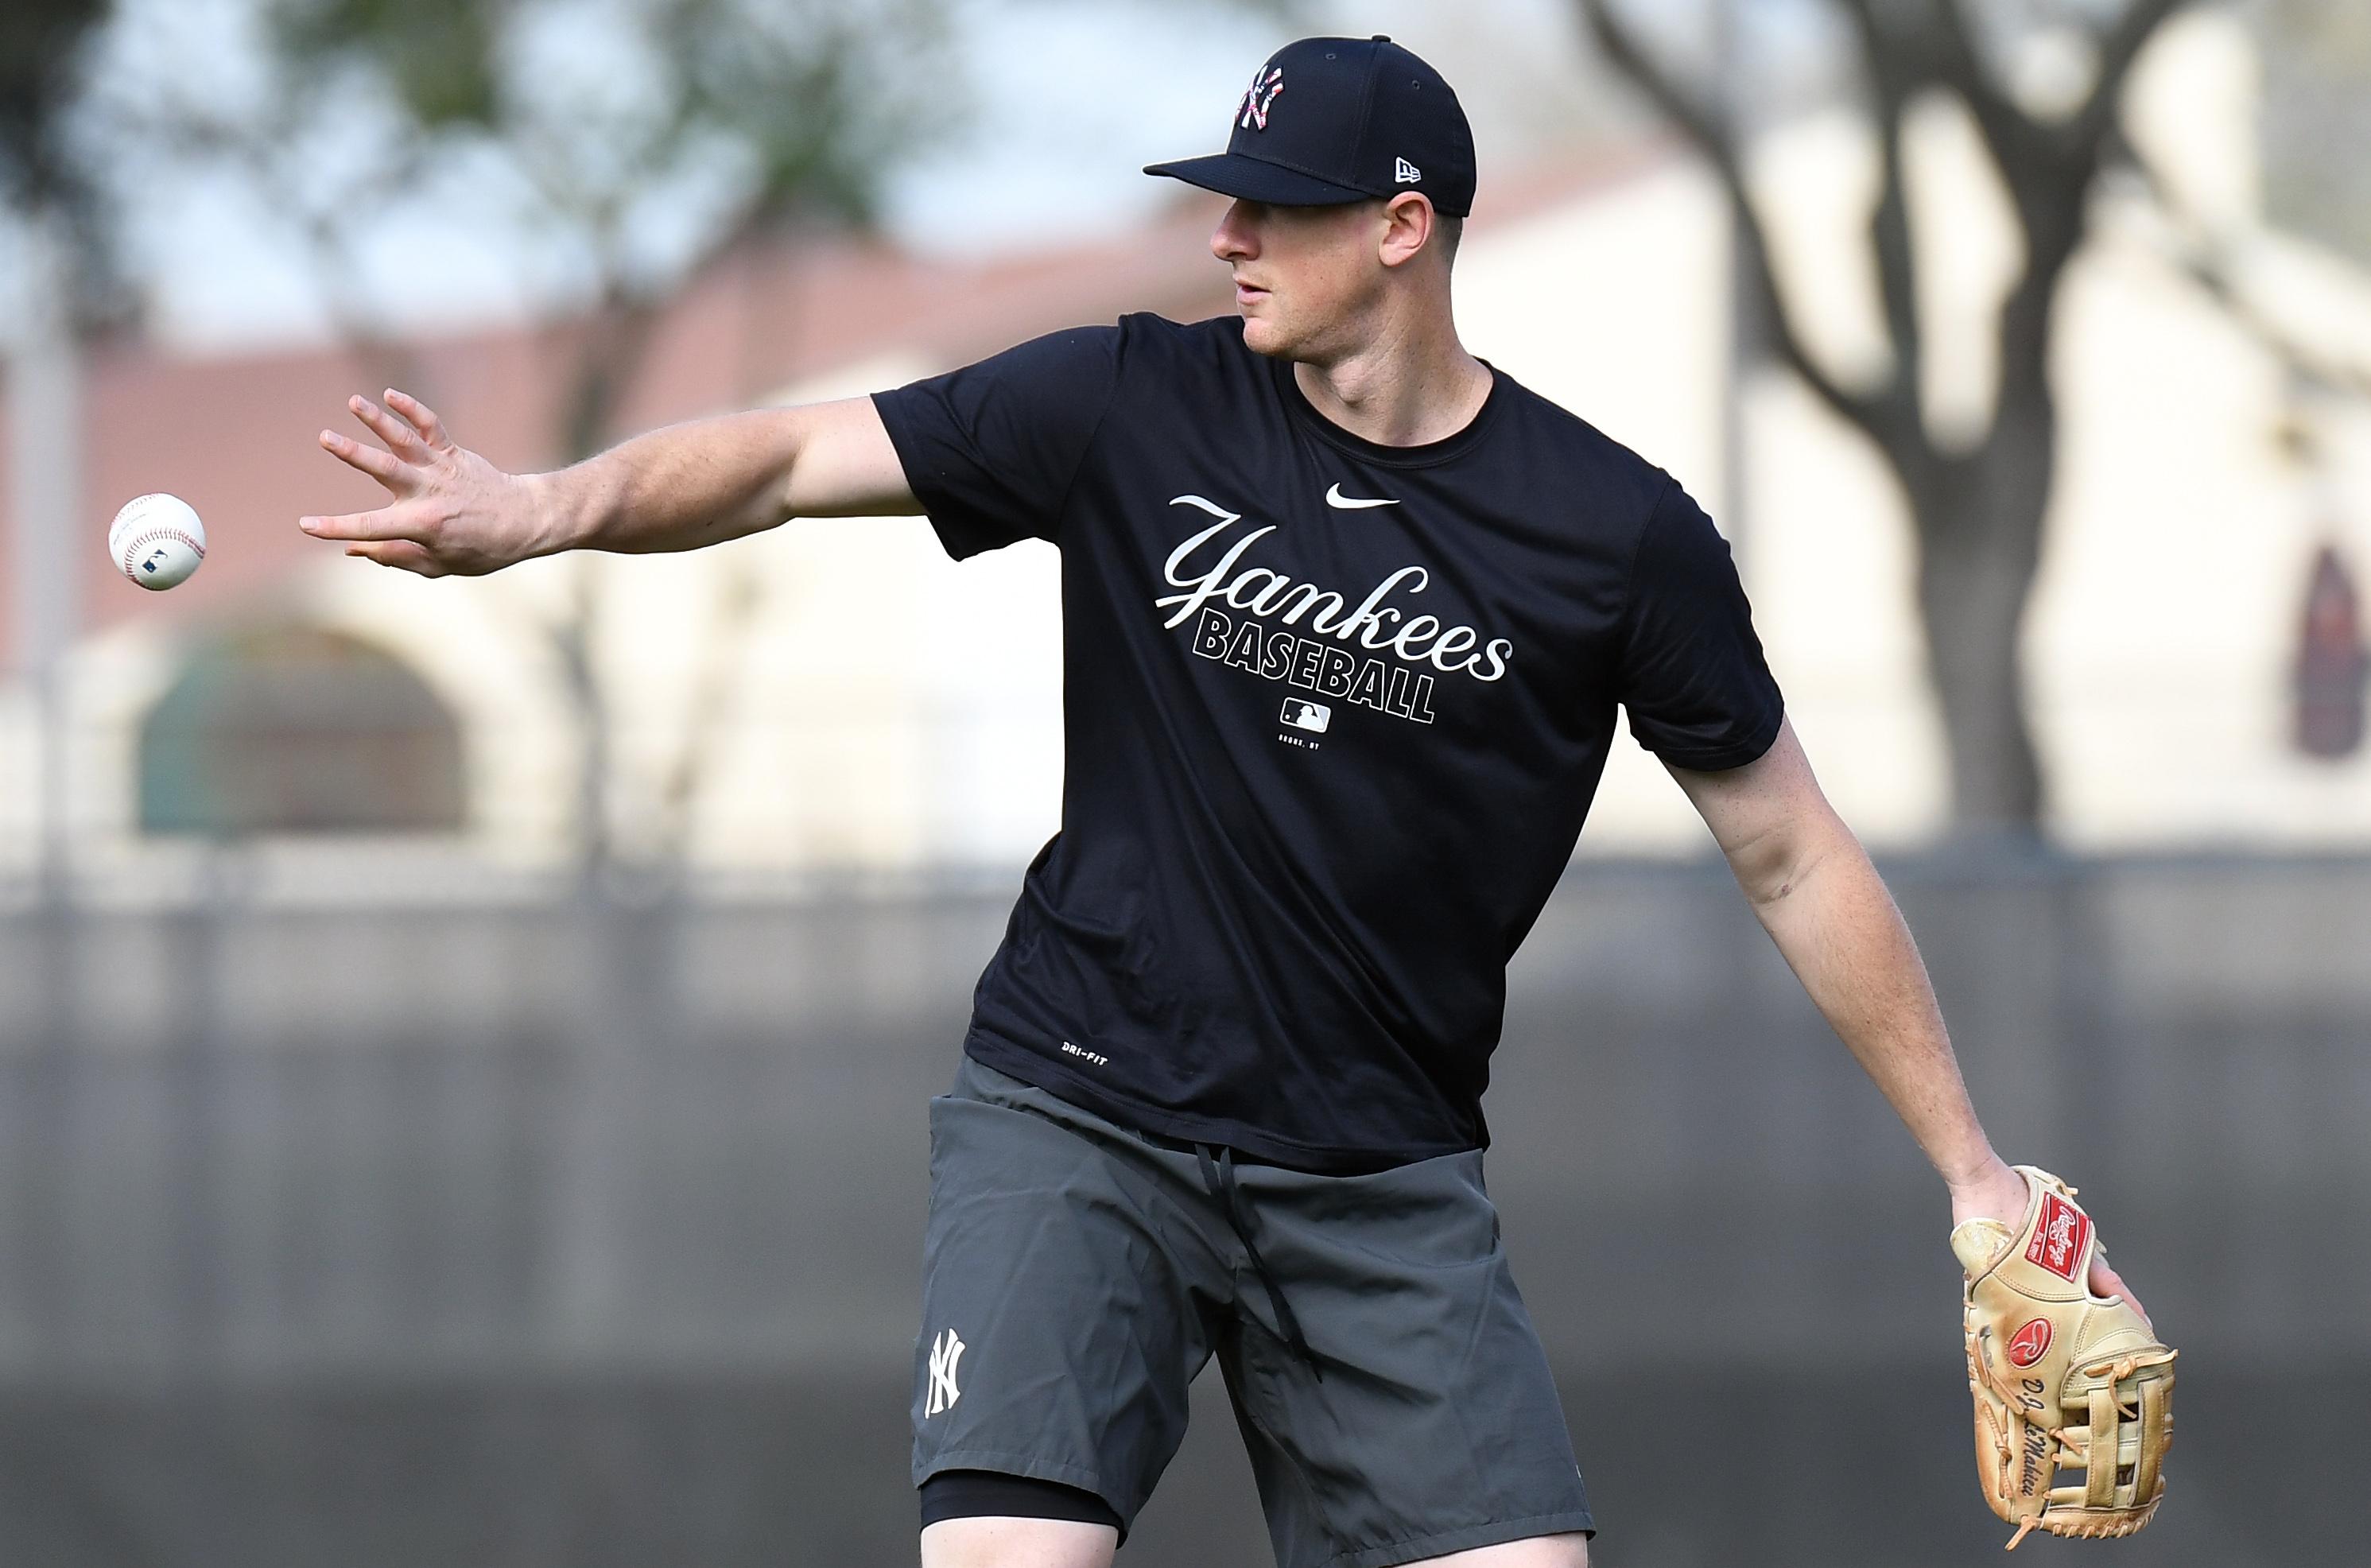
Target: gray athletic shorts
point(1389, 1387)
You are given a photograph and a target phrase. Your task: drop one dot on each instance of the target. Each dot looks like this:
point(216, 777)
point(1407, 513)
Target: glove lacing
point(2115, 1373)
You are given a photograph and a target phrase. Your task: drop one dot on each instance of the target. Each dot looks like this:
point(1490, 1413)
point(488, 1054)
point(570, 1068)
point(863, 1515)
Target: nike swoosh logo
point(1335, 497)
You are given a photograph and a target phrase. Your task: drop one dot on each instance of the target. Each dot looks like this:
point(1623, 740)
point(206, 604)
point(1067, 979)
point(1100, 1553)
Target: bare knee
point(1017, 1543)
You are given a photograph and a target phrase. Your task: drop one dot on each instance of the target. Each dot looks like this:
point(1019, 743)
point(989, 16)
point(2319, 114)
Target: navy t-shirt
point(1332, 714)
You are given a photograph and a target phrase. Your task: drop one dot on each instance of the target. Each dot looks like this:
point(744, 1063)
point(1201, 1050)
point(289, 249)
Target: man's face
point(1305, 277)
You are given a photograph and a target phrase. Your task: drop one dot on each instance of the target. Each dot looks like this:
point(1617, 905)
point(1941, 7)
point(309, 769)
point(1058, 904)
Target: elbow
point(1772, 867)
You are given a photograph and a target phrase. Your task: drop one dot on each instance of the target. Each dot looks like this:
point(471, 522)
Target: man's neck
point(1407, 386)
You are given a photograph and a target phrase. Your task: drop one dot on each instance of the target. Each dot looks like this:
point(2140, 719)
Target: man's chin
point(1261, 336)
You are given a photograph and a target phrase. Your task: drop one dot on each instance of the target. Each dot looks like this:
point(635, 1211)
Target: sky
point(1069, 100)
point(1072, 97)
point(1076, 98)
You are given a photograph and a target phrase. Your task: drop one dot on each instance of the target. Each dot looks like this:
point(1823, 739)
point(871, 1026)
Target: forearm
point(1840, 931)
point(680, 488)
point(450, 511)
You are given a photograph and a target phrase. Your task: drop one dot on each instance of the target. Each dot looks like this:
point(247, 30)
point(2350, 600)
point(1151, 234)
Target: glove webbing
point(2108, 1413)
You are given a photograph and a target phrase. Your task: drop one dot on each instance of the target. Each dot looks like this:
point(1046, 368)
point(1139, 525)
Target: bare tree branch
point(1717, 144)
point(1893, 79)
point(1979, 513)
point(2049, 169)
point(2207, 261)
point(268, 151)
point(2210, 268)
point(2054, 193)
point(2009, 131)
point(2119, 48)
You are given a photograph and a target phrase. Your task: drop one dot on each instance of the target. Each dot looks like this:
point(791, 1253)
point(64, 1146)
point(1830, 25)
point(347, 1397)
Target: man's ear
point(1408, 226)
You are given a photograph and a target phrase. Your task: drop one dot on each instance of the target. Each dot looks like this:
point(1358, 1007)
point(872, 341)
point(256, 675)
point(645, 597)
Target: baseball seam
point(157, 536)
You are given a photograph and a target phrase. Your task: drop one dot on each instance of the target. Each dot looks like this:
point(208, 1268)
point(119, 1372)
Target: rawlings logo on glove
point(2063, 1380)
point(2058, 1239)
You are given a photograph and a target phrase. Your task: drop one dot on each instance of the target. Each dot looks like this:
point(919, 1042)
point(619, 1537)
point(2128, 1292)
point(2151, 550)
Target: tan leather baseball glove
point(2061, 1376)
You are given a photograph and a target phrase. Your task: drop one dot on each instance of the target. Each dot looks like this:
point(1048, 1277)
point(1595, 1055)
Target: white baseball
point(157, 540)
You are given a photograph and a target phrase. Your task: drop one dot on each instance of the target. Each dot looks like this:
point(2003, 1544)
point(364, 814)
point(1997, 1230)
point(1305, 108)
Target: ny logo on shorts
point(945, 1351)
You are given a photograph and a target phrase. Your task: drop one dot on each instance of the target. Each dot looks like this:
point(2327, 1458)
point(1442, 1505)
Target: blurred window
point(295, 729)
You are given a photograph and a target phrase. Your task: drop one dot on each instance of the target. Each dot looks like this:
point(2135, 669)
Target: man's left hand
point(2001, 1194)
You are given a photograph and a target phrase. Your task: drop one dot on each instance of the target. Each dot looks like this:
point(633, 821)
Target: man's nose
point(1232, 241)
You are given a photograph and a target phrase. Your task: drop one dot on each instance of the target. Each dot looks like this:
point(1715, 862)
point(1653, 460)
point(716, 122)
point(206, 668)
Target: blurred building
point(838, 697)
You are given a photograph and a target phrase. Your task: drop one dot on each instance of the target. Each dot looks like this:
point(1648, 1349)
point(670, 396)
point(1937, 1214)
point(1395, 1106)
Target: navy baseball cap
point(1329, 120)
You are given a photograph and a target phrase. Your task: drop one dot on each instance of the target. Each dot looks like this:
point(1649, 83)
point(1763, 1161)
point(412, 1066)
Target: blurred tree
point(647, 137)
point(629, 143)
point(38, 41)
point(638, 142)
point(62, 279)
point(1977, 505)
point(42, 46)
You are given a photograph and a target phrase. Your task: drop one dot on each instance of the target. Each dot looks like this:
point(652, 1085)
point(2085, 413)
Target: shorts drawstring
point(1219, 1177)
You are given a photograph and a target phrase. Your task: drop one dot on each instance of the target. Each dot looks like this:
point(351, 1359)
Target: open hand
point(2001, 1194)
point(450, 511)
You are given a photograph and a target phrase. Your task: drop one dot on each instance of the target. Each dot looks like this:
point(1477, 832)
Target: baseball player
point(1347, 614)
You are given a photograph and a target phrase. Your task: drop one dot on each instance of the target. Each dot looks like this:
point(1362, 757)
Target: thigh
point(1425, 1421)
point(1060, 1320)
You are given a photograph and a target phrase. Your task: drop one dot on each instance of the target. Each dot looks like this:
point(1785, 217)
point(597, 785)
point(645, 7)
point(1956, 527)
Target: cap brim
point(1253, 180)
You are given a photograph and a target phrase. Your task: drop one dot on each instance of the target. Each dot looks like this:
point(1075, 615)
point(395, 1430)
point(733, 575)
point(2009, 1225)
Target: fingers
point(422, 417)
point(384, 467)
point(392, 536)
point(401, 554)
point(400, 438)
point(2105, 1281)
point(387, 523)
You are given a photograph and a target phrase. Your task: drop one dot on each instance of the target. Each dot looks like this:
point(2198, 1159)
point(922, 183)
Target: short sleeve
point(1692, 673)
point(990, 450)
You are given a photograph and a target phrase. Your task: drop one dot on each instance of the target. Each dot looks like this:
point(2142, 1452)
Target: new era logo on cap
point(1405, 172)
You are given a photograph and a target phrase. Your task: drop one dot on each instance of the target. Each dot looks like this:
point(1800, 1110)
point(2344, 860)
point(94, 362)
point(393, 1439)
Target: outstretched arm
point(1812, 886)
point(450, 511)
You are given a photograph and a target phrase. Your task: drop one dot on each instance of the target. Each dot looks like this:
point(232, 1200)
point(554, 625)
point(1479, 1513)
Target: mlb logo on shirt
point(1310, 716)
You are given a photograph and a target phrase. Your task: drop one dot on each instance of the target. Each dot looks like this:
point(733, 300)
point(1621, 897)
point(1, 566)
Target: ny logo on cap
point(1256, 101)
